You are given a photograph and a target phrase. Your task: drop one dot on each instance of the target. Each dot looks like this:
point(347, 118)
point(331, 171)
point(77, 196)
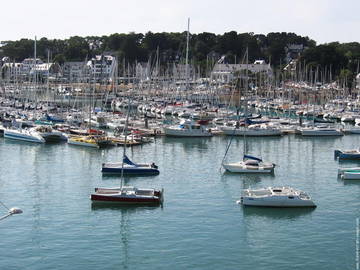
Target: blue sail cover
point(251, 157)
point(251, 122)
point(54, 119)
point(126, 160)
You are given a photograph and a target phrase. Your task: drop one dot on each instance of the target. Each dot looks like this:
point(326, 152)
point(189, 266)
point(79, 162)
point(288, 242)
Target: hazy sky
point(322, 20)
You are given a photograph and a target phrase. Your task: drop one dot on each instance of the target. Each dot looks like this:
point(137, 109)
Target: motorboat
point(250, 164)
point(89, 141)
point(127, 167)
point(347, 154)
point(127, 195)
point(21, 134)
point(187, 128)
point(50, 134)
point(276, 197)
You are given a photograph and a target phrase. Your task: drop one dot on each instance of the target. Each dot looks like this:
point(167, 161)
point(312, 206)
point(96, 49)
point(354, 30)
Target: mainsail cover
point(126, 160)
point(251, 157)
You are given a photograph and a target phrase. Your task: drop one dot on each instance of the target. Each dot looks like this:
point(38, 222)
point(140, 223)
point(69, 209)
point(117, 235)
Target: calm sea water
point(199, 227)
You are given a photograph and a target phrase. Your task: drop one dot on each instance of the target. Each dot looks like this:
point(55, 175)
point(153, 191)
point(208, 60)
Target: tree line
point(204, 49)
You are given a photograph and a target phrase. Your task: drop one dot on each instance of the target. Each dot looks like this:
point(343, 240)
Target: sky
point(321, 20)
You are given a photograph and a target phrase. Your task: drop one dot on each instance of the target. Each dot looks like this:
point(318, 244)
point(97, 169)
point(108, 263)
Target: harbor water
point(200, 226)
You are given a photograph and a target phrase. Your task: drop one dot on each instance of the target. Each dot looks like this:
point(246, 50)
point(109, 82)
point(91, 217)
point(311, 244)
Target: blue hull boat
point(127, 167)
point(348, 154)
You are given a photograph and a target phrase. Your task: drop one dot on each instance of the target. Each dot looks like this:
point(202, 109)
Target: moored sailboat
point(250, 164)
point(129, 168)
point(127, 194)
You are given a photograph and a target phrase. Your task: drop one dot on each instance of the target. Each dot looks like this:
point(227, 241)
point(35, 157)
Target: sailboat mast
point(47, 77)
point(35, 71)
point(187, 56)
point(245, 98)
point(124, 151)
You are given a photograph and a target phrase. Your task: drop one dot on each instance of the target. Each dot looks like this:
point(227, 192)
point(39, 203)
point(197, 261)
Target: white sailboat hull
point(251, 132)
point(276, 197)
point(321, 132)
point(177, 132)
point(240, 167)
point(276, 202)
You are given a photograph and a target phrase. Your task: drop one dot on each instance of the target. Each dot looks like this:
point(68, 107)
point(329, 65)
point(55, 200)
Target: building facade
point(226, 73)
point(74, 71)
point(101, 68)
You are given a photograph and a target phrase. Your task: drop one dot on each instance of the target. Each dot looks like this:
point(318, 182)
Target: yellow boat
point(88, 141)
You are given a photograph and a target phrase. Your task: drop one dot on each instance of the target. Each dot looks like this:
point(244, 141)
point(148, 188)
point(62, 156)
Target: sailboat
point(127, 194)
point(127, 167)
point(94, 139)
point(249, 164)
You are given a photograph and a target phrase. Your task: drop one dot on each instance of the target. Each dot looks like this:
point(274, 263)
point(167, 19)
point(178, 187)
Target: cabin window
point(277, 190)
point(291, 197)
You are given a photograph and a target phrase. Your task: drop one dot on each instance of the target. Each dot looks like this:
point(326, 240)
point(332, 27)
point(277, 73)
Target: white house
point(226, 72)
point(101, 68)
point(28, 63)
point(27, 68)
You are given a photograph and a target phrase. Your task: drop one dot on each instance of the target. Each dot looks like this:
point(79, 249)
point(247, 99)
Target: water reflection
point(123, 209)
point(351, 182)
point(130, 176)
point(190, 143)
point(276, 213)
point(349, 161)
point(246, 178)
point(18, 142)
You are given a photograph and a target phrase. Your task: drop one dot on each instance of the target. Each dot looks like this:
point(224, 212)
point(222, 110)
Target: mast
point(124, 152)
point(245, 97)
point(35, 73)
point(187, 56)
point(47, 77)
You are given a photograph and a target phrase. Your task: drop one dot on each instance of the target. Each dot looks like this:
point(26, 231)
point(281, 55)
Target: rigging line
point(5, 216)
point(4, 205)
point(228, 146)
